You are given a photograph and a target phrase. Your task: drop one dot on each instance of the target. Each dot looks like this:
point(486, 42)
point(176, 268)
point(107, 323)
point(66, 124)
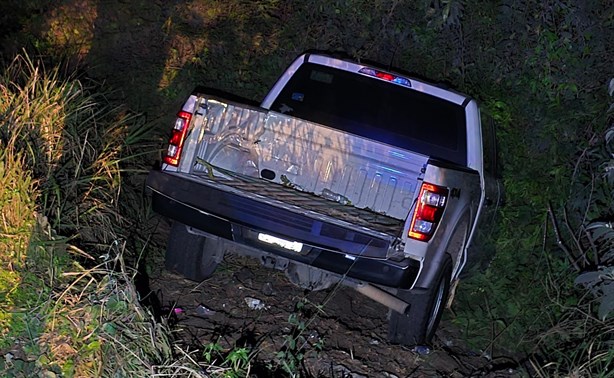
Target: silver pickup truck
point(345, 174)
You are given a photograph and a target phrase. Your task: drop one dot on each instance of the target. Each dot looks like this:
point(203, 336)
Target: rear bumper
point(240, 219)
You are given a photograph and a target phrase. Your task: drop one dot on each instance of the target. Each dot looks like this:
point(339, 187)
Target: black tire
point(418, 326)
point(193, 256)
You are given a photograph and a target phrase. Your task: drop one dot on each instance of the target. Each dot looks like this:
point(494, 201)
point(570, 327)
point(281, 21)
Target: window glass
point(376, 109)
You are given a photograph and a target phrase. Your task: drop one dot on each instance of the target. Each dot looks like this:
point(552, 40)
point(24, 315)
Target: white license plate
point(287, 244)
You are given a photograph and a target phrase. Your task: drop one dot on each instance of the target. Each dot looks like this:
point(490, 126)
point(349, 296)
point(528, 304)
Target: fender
point(454, 245)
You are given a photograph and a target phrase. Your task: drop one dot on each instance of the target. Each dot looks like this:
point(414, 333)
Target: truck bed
point(253, 141)
point(318, 207)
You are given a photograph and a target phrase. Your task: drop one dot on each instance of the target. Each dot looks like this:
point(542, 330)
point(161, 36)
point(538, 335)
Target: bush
point(580, 342)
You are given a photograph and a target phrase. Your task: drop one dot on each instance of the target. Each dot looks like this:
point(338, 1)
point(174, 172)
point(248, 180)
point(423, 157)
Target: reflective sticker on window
point(322, 77)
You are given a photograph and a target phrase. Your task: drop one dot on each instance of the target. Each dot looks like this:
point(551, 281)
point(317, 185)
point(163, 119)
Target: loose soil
point(344, 333)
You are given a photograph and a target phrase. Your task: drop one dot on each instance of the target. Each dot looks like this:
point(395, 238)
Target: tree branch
point(560, 241)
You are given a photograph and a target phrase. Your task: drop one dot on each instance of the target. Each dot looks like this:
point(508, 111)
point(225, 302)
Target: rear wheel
point(193, 256)
point(418, 326)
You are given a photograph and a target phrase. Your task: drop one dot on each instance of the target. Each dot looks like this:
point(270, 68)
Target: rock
point(342, 371)
point(204, 311)
point(389, 375)
point(255, 303)
point(267, 289)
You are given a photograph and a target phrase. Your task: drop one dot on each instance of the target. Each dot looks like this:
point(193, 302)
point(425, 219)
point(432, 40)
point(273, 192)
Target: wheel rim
point(436, 307)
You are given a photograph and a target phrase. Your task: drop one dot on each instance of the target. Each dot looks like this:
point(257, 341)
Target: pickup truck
point(347, 173)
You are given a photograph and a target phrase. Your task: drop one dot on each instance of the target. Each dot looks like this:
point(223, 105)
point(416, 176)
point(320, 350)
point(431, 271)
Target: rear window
point(377, 110)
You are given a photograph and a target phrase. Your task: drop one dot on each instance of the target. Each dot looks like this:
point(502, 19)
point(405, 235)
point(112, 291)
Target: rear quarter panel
point(457, 220)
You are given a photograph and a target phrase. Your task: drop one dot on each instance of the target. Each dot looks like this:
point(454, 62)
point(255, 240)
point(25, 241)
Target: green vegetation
point(234, 364)
point(65, 311)
point(580, 341)
point(296, 346)
point(539, 68)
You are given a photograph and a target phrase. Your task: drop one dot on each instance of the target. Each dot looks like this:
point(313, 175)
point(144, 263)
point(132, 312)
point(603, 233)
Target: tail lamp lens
point(175, 142)
point(385, 76)
point(428, 211)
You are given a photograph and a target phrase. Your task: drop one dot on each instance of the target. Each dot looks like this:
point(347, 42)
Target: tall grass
point(16, 223)
point(69, 305)
point(71, 141)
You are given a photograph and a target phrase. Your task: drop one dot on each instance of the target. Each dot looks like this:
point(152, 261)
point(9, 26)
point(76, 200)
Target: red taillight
point(175, 142)
point(385, 76)
point(427, 213)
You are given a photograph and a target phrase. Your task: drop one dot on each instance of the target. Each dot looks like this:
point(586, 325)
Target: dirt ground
point(340, 332)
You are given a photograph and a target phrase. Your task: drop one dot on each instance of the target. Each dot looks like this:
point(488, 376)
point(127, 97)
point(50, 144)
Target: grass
point(17, 223)
point(69, 303)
